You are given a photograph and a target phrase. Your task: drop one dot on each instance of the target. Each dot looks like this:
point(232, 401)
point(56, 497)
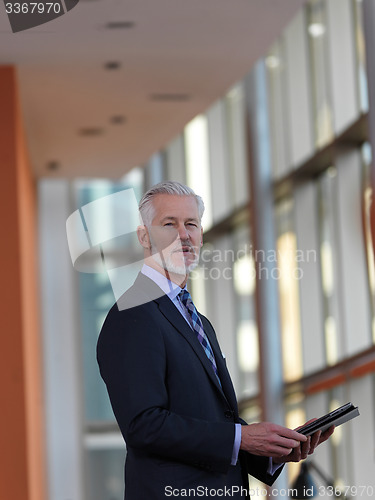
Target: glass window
point(134, 179)
point(353, 275)
point(329, 256)
point(237, 142)
point(308, 275)
point(226, 275)
point(175, 160)
point(346, 289)
point(278, 109)
point(298, 90)
point(104, 448)
point(340, 43)
point(246, 326)
point(359, 436)
point(105, 471)
point(222, 200)
point(361, 55)
point(98, 290)
point(288, 292)
point(96, 298)
point(198, 163)
point(369, 244)
point(154, 171)
point(317, 30)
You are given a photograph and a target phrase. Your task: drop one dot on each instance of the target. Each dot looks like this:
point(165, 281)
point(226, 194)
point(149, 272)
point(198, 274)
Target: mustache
point(184, 246)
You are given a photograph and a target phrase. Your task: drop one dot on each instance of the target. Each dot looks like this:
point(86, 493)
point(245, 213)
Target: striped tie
point(198, 328)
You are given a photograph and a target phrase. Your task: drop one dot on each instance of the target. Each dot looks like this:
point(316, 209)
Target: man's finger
point(326, 434)
point(292, 434)
point(305, 448)
point(315, 439)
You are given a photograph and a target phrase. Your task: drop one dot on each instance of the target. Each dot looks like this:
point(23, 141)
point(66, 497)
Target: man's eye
point(192, 224)
point(168, 224)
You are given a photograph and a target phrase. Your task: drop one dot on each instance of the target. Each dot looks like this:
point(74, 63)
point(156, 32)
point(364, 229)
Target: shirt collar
point(168, 287)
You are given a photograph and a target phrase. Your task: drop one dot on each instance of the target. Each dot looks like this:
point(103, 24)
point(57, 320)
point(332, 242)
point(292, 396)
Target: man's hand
point(306, 448)
point(271, 440)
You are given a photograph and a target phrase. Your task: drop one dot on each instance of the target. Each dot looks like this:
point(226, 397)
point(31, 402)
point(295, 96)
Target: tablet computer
point(336, 417)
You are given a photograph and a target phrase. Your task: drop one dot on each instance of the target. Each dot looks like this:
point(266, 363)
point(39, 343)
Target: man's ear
point(201, 236)
point(143, 237)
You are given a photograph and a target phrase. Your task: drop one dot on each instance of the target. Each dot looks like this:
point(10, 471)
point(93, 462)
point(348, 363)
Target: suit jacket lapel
point(151, 292)
point(170, 311)
point(225, 379)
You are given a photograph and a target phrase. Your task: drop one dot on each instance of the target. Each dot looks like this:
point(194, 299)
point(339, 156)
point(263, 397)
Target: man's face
point(176, 233)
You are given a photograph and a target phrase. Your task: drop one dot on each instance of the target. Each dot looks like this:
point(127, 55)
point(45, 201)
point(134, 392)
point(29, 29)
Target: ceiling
point(168, 61)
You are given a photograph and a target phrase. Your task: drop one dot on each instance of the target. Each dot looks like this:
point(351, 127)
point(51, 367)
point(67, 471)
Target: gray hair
point(146, 207)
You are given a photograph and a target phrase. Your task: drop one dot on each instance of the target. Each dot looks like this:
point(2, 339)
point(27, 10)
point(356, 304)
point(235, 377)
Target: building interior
point(265, 109)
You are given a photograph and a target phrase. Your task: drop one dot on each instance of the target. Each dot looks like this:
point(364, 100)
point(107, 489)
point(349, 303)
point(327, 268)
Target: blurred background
point(264, 108)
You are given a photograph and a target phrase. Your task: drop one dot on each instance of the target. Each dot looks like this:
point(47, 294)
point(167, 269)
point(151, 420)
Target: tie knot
point(184, 296)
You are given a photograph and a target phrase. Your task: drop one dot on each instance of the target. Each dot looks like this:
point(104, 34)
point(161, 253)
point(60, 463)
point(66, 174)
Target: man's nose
point(182, 232)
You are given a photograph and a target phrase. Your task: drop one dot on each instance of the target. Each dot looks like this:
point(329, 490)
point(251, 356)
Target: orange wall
point(22, 464)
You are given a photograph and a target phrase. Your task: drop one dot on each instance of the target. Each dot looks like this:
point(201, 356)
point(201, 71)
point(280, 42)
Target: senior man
point(167, 379)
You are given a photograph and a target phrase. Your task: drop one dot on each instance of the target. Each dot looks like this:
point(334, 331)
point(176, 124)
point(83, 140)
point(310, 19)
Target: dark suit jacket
point(178, 423)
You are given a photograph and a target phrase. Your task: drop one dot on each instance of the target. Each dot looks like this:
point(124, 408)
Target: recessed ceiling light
point(120, 25)
point(316, 29)
point(110, 65)
point(91, 131)
point(171, 97)
point(118, 119)
point(53, 165)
